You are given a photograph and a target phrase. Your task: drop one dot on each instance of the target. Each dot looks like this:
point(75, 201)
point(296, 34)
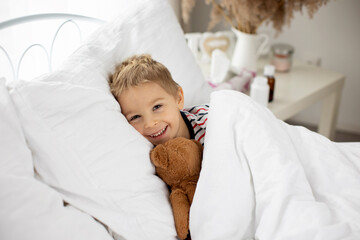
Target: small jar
point(281, 56)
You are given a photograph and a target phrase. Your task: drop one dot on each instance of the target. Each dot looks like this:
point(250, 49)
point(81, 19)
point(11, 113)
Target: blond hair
point(140, 69)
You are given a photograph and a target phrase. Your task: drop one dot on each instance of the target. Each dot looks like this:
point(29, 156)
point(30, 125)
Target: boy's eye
point(157, 107)
point(134, 117)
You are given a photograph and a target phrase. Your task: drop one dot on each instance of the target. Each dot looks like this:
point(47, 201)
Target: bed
point(71, 167)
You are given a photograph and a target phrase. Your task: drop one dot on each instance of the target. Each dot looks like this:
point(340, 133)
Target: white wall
point(333, 35)
point(103, 9)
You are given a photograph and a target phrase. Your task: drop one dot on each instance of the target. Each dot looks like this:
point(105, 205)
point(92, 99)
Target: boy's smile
point(153, 112)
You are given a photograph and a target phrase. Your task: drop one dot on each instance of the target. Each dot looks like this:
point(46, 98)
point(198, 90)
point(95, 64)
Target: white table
point(304, 86)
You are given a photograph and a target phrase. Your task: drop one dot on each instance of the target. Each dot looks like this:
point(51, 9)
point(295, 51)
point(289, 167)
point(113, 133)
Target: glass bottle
point(269, 72)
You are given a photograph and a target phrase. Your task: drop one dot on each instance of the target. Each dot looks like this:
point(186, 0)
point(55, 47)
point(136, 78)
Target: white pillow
point(14, 155)
point(29, 208)
point(84, 148)
point(142, 26)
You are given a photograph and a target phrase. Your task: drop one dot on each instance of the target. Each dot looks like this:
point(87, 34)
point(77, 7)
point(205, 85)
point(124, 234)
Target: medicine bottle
point(269, 72)
point(259, 90)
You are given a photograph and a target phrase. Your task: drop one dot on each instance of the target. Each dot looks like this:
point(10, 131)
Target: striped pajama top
point(195, 119)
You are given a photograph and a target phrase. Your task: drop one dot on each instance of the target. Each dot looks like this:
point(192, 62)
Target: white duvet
point(264, 179)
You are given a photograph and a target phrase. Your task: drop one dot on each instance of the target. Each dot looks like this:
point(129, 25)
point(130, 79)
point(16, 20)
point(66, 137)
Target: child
point(152, 101)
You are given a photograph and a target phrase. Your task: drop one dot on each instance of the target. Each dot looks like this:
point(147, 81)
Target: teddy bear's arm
point(181, 207)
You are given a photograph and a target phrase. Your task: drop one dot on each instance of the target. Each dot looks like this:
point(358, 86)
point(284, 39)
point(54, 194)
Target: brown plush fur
point(178, 163)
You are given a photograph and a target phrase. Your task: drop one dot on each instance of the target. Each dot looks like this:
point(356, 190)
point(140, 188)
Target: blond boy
point(153, 102)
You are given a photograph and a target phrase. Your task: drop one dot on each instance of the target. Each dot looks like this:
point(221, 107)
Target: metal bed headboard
point(64, 19)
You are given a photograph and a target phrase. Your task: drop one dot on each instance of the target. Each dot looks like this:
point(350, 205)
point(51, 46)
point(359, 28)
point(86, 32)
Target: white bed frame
point(84, 25)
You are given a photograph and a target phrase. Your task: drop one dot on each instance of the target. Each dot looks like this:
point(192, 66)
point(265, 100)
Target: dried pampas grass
point(248, 15)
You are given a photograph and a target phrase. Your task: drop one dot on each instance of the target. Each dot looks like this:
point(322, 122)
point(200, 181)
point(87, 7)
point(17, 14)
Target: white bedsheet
point(264, 179)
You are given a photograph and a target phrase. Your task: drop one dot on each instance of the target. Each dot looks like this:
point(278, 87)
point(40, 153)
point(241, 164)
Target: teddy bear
point(178, 162)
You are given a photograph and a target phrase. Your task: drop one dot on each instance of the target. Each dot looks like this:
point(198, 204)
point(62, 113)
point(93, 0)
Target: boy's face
point(153, 112)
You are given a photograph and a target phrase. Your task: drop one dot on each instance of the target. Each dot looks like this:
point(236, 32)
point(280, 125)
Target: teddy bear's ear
point(159, 157)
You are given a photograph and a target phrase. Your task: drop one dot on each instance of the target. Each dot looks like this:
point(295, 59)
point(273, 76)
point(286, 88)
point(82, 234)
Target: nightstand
point(303, 86)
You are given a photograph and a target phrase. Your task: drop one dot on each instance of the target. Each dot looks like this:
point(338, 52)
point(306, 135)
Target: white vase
point(247, 50)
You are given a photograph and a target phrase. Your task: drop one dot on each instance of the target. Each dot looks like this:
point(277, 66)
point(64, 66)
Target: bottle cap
point(282, 49)
point(269, 70)
point(260, 80)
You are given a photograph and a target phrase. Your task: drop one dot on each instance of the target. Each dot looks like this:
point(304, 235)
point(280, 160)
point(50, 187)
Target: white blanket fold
point(264, 179)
